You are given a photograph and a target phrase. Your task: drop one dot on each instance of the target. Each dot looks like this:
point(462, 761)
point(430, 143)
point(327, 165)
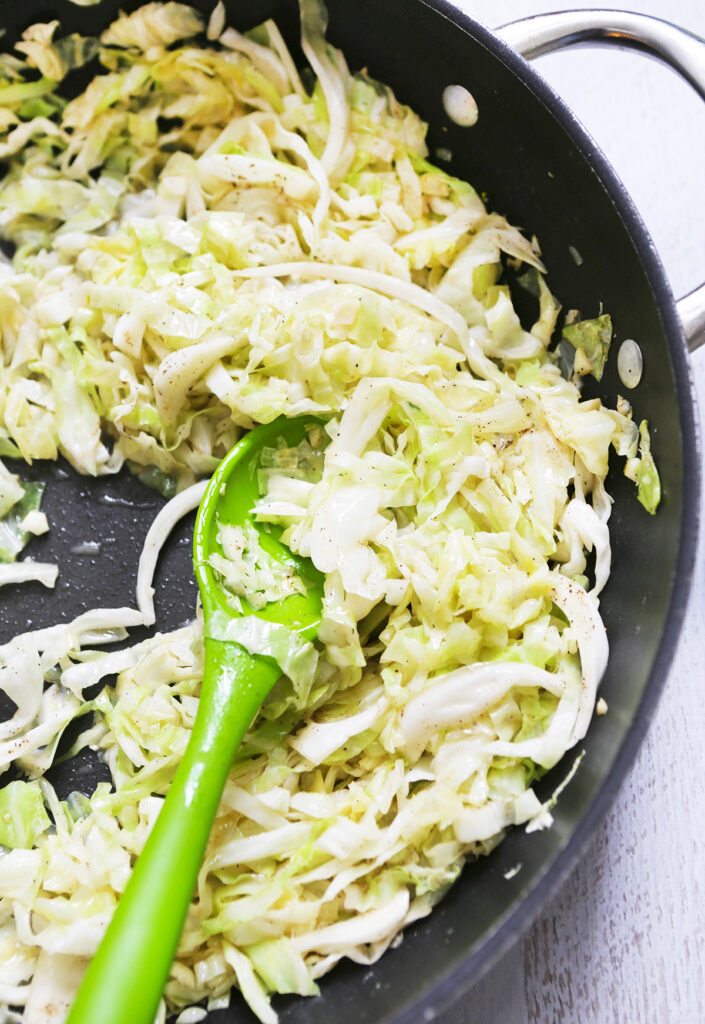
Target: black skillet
point(537, 166)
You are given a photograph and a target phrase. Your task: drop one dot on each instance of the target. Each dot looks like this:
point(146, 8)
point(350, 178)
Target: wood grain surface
point(624, 940)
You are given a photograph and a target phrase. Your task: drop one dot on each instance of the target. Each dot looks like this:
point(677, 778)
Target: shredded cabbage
point(20, 518)
point(591, 340)
point(244, 569)
point(200, 244)
point(23, 817)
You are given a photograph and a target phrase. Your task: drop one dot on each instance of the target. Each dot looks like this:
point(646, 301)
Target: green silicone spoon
point(125, 979)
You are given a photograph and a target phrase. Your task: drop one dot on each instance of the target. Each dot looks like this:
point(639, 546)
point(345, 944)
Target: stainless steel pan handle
point(683, 51)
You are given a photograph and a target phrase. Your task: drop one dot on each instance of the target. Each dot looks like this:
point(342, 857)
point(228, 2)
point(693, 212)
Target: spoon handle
point(125, 979)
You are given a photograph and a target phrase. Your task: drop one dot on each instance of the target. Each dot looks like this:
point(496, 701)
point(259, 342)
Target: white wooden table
point(624, 940)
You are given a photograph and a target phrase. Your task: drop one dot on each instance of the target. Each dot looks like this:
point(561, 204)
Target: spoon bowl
point(229, 499)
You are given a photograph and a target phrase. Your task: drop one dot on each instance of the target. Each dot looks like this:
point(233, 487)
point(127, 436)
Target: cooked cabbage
point(200, 243)
point(20, 520)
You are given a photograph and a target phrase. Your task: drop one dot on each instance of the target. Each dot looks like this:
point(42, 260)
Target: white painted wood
point(623, 940)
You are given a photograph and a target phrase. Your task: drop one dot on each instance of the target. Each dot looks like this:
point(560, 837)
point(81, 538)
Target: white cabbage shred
point(200, 245)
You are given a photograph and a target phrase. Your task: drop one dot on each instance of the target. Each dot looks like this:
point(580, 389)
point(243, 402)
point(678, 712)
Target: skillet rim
point(517, 921)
